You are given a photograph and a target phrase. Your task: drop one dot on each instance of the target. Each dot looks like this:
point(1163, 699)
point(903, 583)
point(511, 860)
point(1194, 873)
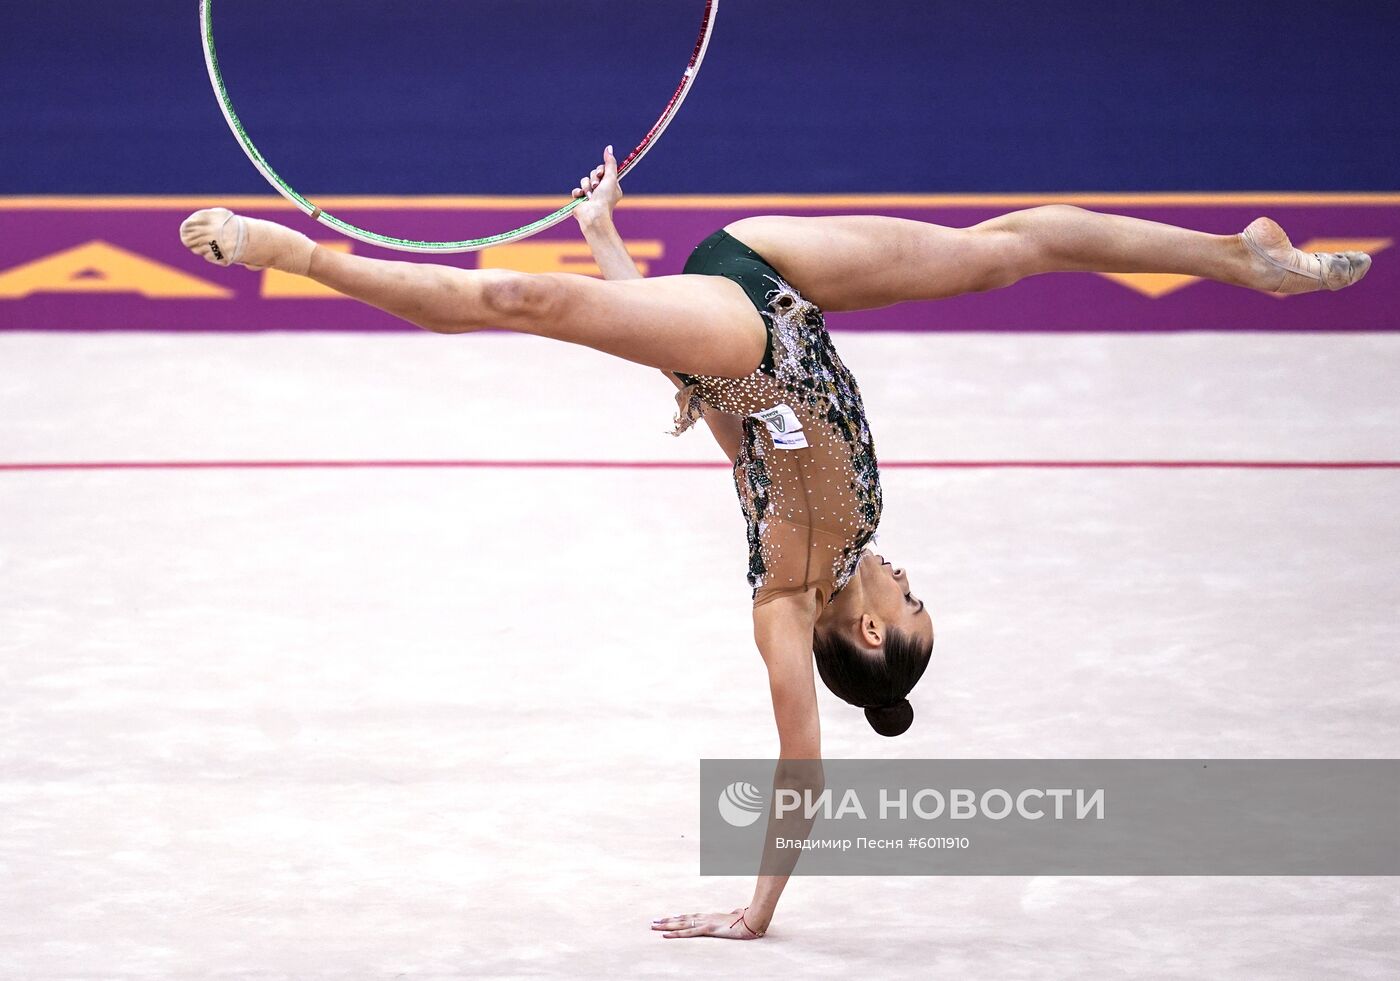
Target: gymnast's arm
point(782, 628)
point(783, 632)
point(602, 193)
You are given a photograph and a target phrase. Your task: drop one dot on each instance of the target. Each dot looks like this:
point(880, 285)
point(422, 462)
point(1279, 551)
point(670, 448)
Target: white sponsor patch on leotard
point(784, 426)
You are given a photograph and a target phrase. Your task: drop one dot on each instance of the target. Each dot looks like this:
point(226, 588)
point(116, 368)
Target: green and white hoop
point(216, 78)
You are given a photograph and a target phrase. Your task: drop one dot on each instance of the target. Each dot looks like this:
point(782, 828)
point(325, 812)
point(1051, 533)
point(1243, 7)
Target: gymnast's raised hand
point(600, 190)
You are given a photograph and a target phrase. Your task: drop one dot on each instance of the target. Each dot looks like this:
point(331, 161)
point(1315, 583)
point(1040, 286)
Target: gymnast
point(742, 336)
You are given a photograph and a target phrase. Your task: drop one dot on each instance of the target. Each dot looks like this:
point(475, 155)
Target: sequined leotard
point(806, 473)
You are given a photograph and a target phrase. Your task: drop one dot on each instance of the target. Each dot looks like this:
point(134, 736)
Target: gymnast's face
point(877, 598)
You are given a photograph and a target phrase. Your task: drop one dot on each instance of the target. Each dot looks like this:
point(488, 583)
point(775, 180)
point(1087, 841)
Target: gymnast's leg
point(864, 262)
point(700, 325)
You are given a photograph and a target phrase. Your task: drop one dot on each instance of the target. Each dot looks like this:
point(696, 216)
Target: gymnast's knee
point(512, 298)
point(1031, 220)
point(490, 298)
point(1035, 227)
point(1019, 244)
point(995, 258)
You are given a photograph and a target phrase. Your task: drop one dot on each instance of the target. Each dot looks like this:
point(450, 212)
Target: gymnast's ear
point(871, 631)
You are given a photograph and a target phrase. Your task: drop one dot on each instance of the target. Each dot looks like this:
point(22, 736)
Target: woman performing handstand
point(741, 334)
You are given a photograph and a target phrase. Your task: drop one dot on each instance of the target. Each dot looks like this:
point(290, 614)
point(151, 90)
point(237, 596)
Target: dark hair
point(877, 684)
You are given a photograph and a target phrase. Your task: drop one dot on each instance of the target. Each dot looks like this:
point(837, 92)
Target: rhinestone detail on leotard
point(810, 511)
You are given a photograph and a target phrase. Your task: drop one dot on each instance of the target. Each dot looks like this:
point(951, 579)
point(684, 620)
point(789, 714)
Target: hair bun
point(892, 719)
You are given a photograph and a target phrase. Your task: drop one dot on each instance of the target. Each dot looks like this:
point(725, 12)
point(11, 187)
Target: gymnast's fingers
point(699, 931)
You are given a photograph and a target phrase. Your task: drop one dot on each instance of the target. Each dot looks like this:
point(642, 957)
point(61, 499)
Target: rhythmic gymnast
point(741, 334)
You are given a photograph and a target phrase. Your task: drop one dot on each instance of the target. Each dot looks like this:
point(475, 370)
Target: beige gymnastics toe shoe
point(224, 238)
point(1287, 270)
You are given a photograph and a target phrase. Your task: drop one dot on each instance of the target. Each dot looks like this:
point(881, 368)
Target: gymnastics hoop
point(216, 78)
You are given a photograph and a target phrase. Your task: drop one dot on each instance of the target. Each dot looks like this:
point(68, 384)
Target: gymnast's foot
point(223, 238)
point(1283, 269)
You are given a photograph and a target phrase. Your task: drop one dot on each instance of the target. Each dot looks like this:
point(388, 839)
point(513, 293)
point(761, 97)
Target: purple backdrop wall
point(80, 264)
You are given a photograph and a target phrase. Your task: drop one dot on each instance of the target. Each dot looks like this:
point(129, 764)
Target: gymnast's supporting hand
point(733, 925)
